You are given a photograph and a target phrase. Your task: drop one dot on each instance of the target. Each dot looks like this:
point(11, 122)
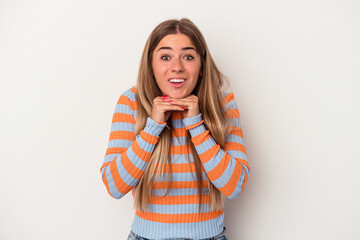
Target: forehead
point(175, 41)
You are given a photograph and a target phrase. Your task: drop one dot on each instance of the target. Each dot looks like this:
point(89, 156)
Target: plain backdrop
point(294, 70)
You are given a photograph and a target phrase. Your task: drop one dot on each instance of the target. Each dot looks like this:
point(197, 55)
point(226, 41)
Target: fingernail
point(170, 100)
point(183, 108)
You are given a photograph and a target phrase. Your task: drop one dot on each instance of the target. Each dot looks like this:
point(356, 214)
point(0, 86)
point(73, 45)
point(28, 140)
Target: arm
point(127, 156)
point(226, 168)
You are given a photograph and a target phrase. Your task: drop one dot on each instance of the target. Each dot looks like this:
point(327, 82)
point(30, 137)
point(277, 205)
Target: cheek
point(159, 69)
point(195, 73)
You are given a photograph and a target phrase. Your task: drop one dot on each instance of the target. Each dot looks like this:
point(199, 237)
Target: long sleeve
point(227, 168)
point(127, 156)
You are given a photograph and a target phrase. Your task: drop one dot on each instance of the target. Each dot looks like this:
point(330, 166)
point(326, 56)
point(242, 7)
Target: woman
point(176, 140)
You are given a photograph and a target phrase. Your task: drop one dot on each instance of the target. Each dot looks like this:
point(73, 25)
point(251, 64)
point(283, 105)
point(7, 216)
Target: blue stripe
point(239, 185)
point(246, 168)
point(130, 95)
point(193, 230)
point(144, 145)
point(122, 108)
point(178, 141)
point(178, 177)
point(125, 176)
point(237, 154)
point(236, 122)
point(177, 208)
point(234, 138)
point(177, 123)
point(225, 177)
point(212, 163)
point(182, 158)
point(138, 162)
point(110, 157)
point(119, 143)
point(179, 191)
point(122, 126)
point(203, 147)
point(112, 188)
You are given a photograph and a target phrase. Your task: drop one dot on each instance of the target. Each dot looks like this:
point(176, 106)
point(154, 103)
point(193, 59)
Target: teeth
point(175, 80)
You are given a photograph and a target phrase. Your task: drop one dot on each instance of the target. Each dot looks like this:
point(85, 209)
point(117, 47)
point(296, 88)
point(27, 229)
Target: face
point(176, 65)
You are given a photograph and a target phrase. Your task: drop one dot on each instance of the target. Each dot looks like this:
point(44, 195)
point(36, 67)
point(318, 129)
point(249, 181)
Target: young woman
point(176, 140)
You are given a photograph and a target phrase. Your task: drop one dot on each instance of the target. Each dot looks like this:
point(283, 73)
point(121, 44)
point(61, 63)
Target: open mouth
point(177, 82)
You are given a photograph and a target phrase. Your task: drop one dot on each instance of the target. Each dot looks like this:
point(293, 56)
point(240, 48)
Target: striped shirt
point(175, 215)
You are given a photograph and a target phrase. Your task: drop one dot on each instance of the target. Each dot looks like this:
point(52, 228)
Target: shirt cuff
point(154, 128)
point(192, 122)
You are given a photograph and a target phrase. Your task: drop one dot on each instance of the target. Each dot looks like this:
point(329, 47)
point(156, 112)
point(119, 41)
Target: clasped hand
point(164, 105)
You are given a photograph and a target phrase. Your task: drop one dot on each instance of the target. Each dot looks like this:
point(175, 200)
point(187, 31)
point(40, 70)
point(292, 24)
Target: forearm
point(226, 168)
point(125, 161)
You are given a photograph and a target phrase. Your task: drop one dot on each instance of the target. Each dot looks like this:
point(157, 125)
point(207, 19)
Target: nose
point(177, 65)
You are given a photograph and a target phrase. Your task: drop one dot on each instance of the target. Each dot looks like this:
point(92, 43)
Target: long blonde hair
point(210, 94)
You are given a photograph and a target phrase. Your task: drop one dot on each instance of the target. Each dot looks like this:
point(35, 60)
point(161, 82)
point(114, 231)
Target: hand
point(162, 108)
point(189, 104)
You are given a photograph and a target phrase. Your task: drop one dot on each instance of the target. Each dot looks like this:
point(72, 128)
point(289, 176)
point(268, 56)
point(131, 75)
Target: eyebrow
point(183, 49)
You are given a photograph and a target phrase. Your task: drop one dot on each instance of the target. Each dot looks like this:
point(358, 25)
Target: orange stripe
point(149, 138)
point(179, 184)
point(104, 165)
point(227, 98)
point(230, 186)
point(182, 149)
point(115, 150)
point(245, 180)
point(233, 112)
point(194, 125)
point(180, 167)
point(106, 182)
point(126, 101)
point(220, 168)
point(234, 146)
point(182, 199)
point(123, 135)
point(176, 115)
point(179, 132)
point(243, 162)
point(202, 137)
point(119, 183)
point(237, 131)
point(209, 154)
point(145, 156)
point(130, 167)
point(179, 218)
point(123, 117)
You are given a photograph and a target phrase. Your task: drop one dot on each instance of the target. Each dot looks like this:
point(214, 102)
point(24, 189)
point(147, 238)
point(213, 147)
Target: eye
point(165, 57)
point(188, 57)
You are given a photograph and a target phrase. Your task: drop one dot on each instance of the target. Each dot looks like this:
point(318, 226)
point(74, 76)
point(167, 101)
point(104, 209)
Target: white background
point(294, 67)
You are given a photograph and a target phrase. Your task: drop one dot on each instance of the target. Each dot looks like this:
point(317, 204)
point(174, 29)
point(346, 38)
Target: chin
point(178, 95)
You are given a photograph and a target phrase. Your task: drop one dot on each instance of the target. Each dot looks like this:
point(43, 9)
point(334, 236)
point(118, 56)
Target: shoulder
point(128, 98)
point(230, 107)
point(228, 100)
point(129, 94)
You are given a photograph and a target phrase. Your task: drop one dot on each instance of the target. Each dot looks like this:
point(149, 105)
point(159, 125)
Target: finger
point(180, 101)
point(183, 103)
point(172, 108)
point(169, 107)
